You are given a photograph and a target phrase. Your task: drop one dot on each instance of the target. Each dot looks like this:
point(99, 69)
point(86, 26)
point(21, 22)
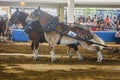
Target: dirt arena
point(16, 63)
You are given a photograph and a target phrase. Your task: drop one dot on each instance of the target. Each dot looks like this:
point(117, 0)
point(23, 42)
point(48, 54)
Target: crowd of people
point(99, 23)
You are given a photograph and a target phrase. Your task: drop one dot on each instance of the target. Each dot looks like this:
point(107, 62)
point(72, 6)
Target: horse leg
point(2, 37)
point(99, 56)
point(34, 46)
point(74, 46)
point(53, 59)
point(98, 50)
point(69, 52)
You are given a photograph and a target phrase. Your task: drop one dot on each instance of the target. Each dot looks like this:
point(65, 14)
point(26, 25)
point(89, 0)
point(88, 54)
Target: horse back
point(79, 32)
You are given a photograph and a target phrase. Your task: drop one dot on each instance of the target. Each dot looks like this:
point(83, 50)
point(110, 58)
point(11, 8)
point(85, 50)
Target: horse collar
point(52, 23)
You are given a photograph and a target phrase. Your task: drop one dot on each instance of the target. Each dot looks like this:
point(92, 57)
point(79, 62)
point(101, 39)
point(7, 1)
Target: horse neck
point(22, 19)
point(45, 18)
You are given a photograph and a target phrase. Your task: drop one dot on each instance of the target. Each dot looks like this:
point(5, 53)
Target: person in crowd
point(117, 36)
point(94, 23)
point(107, 21)
point(118, 21)
point(115, 20)
point(88, 20)
point(101, 19)
point(81, 19)
point(75, 19)
point(119, 18)
point(94, 20)
point(98, 24)
point(102, 24)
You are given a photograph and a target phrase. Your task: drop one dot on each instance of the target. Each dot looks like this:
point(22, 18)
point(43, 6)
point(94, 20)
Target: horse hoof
point(54, 60)
point(80, 58)
point(70, 57)
point(35, 59)
point(99, 60)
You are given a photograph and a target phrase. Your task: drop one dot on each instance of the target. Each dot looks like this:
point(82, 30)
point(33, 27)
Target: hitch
point(113, 50)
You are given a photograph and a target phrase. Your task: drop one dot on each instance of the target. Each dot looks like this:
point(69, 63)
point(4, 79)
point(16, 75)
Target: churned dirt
point(16, 63)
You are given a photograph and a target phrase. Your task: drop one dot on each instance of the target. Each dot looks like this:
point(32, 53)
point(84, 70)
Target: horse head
point(39, 15)
point(14, 18)
point(18, 16)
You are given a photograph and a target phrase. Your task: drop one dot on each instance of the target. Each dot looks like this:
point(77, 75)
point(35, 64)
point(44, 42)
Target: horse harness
point(54, 22)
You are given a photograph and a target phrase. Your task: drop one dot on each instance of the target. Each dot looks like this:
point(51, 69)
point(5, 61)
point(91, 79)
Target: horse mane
point(44, 15)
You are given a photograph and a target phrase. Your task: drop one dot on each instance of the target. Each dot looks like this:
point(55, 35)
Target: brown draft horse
point(3, 30)
point(35, 33)
point(55, 32)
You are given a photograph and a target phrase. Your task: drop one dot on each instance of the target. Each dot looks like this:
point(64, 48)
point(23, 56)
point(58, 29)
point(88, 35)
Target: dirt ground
point(16, 63)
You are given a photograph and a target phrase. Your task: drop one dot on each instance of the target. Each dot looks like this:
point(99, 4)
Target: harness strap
point(78, 38)
point(61, 35)
point(60, 39)
point(49, 22)
point(52, 26)
point(27, 28)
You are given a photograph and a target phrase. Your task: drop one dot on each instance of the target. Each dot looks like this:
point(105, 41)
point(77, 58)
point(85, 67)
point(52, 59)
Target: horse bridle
point(16, 14)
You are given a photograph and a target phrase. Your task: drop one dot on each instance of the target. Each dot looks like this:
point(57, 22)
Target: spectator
point(81, 19)
point(117, 36)
point(115, 21)
point(102, 24)
point(101, 19)
point(119, 19)
point(94, 23)
point(75, 19)
point(88, 20)
point(94, 20)
point(107, 20)
point(98, 24)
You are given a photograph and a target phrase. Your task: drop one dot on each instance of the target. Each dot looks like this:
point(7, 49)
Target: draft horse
point(36, 34)
point(55, 32)
point(3, 30)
